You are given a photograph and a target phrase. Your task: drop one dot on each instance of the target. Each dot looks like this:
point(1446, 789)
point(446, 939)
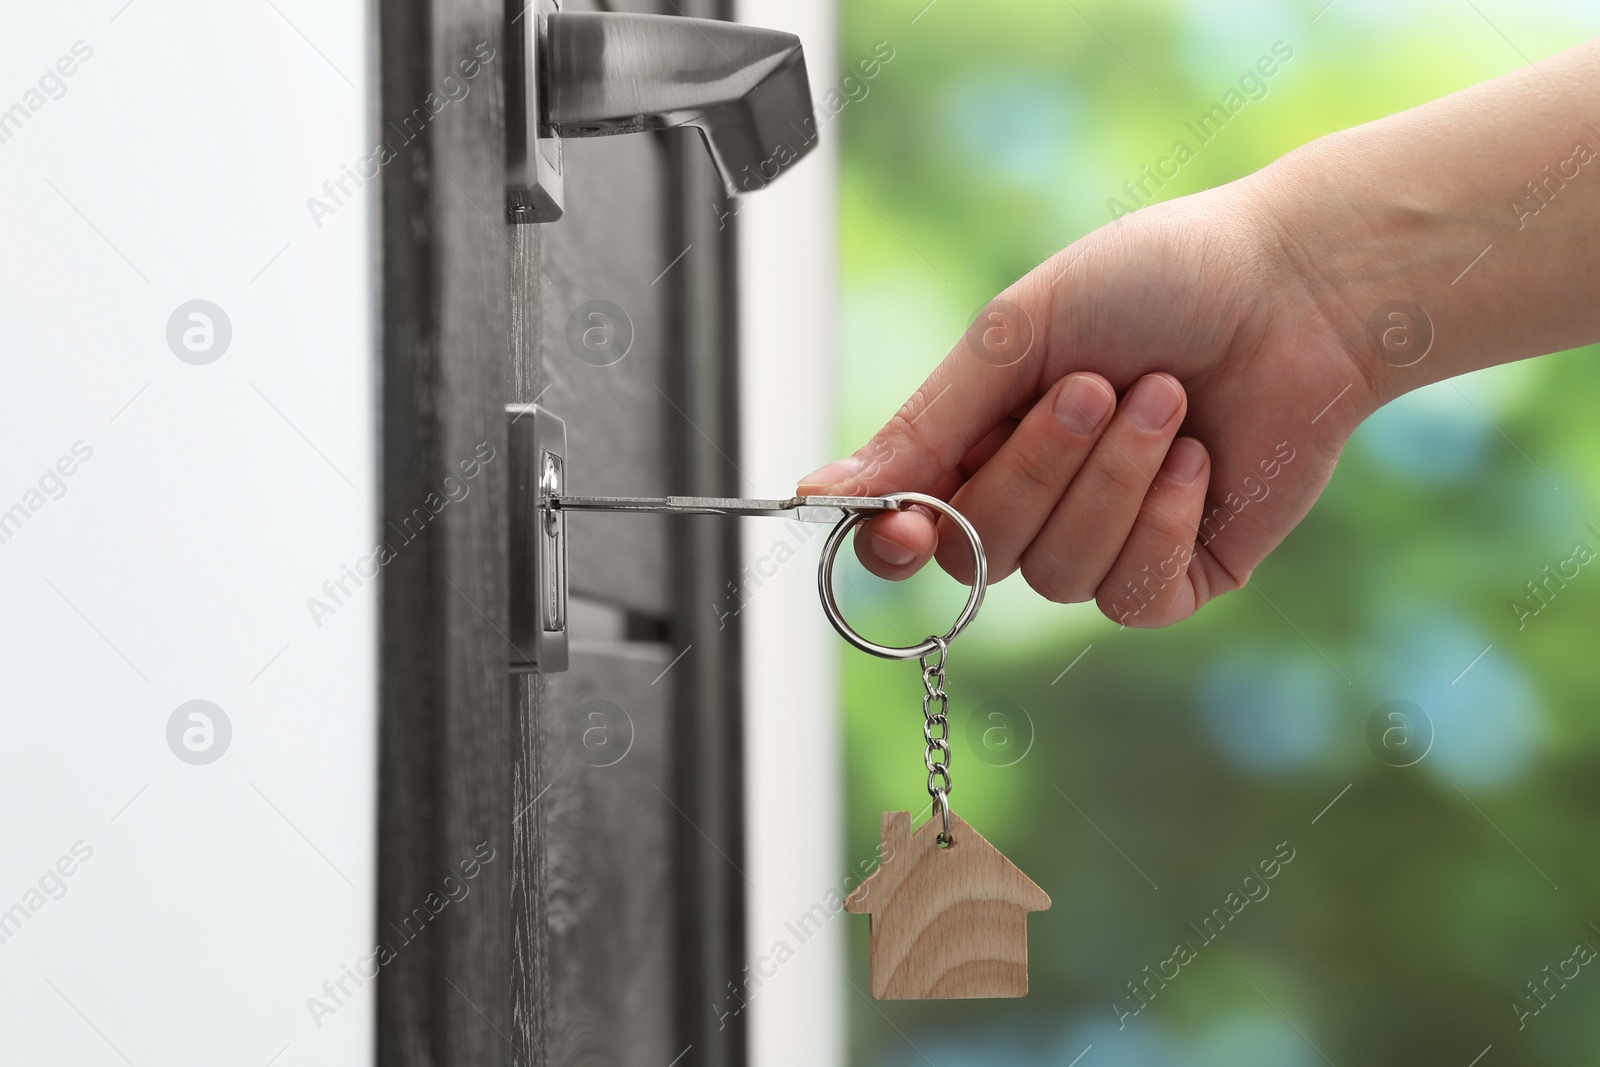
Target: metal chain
point(936, 715)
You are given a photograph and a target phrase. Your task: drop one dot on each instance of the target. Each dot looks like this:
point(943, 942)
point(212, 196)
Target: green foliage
point(1419, 904)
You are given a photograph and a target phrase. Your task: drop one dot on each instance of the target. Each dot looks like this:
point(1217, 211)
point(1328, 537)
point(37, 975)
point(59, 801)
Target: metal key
point(823, 509)
point(537, 442)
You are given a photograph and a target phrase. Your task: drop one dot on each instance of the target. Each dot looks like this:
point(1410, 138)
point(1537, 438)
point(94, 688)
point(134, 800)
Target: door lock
point(541, 502)
point(537, 444)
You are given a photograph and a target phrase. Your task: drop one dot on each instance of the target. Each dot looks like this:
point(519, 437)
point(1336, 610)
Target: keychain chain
point(924, 898)
point(936, 714)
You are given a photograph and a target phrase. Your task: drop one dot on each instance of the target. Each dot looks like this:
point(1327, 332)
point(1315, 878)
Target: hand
point(1256, 300)
point(1139, 420)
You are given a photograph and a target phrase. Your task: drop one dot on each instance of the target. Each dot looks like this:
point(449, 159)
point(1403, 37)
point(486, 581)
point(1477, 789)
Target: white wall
point(175, 562)
point(794, 778)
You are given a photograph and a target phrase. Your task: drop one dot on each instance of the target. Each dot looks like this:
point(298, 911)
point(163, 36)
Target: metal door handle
point(589, 74)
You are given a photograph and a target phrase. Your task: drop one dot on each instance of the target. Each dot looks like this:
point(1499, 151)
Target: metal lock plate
point(535, 189)
point(537, 443)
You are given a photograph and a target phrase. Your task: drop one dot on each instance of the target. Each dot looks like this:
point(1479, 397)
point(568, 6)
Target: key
point(823, 509)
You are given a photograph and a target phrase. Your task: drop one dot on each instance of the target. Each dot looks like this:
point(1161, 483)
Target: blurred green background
point(1142, 785)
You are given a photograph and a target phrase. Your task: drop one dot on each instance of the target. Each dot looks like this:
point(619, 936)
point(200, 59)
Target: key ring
point(830, 603)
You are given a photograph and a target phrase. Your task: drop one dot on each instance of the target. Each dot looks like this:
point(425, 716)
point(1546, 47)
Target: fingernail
point(1083, 404)
point(891, 552)
point(1184, 460)
point(832, 474)
point(1153, 402)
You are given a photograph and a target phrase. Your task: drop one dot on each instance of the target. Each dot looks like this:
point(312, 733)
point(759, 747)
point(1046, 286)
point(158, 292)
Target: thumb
point(993, 370)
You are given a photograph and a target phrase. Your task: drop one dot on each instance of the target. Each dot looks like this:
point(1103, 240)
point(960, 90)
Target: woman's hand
point(1139, 420)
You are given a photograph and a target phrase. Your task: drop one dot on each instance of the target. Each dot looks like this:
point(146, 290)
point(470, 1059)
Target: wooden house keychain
point(948, 912)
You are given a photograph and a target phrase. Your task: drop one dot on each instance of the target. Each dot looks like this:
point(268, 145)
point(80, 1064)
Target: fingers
point(1091, 499)
point(896, 545)
point(1014, 493)
point(1063, 495)
point(1086, 531)
point(1016, 477)
point(1152, 583)
point(985, 449)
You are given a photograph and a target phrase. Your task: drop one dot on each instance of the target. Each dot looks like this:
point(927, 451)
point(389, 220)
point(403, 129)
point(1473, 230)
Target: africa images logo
point(51, 85)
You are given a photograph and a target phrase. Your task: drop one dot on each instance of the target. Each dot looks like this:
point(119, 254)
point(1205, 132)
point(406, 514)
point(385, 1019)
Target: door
point(598, 809)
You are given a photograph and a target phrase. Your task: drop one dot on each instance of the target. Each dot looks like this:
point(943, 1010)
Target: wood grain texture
point(445, 714)
point(611, 838)
point(947, 923)
point(610, 246)
point(530, 942)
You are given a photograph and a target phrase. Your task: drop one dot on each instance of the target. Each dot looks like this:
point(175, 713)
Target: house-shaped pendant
point(946, 923)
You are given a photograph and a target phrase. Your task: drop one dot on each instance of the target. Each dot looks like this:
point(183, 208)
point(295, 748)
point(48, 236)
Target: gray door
point(605, 925)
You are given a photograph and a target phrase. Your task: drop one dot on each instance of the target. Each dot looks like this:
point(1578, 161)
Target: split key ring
point(830, 603)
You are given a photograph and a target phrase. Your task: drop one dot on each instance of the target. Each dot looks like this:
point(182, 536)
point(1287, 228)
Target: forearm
point(1482, 209)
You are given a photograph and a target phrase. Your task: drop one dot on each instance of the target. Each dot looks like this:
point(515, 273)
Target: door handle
point(592, 74)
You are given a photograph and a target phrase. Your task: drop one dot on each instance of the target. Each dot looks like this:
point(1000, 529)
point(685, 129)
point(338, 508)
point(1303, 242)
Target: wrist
point(1453, 236)
point(1388, 264)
